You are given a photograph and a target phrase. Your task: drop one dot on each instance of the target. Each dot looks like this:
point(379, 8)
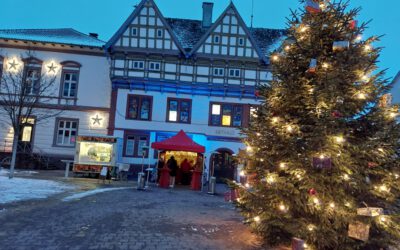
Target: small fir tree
point(322, 156)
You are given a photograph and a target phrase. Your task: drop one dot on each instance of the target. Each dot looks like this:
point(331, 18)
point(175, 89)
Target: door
point(25, 138)
point(223, 165)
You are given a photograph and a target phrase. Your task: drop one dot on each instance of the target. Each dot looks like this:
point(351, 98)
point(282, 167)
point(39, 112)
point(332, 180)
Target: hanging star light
point(52, 68)
point(97, 120)
point(13, 65)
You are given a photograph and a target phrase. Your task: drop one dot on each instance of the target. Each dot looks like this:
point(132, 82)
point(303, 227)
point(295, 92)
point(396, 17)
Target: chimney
point(95, 35)
point(207, 14)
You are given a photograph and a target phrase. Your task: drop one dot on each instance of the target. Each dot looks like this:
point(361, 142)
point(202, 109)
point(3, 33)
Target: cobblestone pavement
point(126, 219)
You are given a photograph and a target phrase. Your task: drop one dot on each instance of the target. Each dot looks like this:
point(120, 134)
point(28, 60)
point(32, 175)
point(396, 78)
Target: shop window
point(179, 110)
point(227, 115)
point(136, 145)
point(69, 79)
point(139, 107)
point(66, 132)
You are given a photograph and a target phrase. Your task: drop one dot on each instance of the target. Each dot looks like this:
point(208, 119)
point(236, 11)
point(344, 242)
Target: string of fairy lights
point(290, 128)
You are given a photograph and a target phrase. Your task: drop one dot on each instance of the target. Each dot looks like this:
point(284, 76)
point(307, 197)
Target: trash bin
point(140, 181)
point(212, 185)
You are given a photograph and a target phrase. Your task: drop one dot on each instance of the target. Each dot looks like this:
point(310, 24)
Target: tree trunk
point(14, 155)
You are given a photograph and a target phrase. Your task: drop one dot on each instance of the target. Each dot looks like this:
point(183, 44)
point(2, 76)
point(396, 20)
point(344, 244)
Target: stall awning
point(179, 142)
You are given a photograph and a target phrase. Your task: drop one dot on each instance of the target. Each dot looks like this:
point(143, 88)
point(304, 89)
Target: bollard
point(140, 181)
point(212, 185)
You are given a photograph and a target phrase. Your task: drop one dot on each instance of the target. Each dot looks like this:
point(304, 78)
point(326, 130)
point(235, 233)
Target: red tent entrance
point(179, 142)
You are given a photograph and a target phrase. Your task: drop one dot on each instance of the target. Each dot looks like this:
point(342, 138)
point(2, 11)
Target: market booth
point(181, 146)
point(93, 153)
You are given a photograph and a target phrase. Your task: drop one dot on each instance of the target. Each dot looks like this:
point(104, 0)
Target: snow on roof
point(66, 36)
point(268, 40)
point(187, 31)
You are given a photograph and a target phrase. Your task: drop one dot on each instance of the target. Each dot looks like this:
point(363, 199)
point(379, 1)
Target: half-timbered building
point(197, 75)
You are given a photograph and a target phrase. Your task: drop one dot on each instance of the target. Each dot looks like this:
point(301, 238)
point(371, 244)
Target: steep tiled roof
point(187, 31)
point(60, 36)
point(268, 40)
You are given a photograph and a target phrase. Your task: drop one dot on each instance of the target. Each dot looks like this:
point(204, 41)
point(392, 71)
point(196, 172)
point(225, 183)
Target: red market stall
point(181, 146)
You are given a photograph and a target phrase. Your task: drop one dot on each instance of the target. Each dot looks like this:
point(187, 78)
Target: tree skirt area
point(18, 189)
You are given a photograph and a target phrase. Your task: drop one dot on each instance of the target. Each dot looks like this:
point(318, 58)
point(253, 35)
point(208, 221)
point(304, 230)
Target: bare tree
point(25, 93)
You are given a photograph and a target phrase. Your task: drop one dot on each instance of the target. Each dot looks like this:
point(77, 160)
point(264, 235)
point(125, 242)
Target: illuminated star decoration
point(52, 68)
point(13, 65)
point(97, 120)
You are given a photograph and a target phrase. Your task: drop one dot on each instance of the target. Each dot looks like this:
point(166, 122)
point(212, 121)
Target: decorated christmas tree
point(322, 161)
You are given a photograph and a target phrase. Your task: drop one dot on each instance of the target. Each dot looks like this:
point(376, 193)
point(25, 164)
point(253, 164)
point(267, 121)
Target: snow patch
point(92, 192)
point(18, 189)
point(5, 172)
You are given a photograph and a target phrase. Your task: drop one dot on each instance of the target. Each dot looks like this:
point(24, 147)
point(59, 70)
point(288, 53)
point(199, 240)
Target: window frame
point(140, 98)
point(57, 128)
point(241, 43)
point(34, 64)
point(69, 67)
point(138, 62)
point(218, 69)
point(235, 70)
point(157, 33)
point(155, 63)
point(179, 100)
point(136, 31)
point(233, 109)
point(137, 135)
point(217, 39)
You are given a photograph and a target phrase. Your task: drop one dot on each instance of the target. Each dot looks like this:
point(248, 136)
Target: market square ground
point(124, 219)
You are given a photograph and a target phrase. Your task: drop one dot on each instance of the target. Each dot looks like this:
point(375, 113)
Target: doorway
point(222, 165)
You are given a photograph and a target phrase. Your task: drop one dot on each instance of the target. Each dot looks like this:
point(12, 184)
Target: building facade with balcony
point(201, 76)
point(81, 91)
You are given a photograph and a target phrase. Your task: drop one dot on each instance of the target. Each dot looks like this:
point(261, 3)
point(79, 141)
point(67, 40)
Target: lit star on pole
point(97, 120)
point(52, 68)
point(13, 65)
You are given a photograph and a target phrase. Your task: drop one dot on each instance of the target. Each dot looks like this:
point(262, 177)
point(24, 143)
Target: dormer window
point(217, 39)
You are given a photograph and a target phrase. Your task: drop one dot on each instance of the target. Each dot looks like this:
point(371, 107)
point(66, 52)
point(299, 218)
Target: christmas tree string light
point(324, 161)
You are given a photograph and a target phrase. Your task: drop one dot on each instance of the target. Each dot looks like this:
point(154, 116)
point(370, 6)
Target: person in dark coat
point(160, 165)
point(173, 167)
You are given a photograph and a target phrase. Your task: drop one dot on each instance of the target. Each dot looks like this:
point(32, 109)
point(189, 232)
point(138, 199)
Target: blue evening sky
point(105, 17)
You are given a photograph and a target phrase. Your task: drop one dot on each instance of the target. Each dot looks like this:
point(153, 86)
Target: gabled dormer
point(145, 30)
point(228, 36)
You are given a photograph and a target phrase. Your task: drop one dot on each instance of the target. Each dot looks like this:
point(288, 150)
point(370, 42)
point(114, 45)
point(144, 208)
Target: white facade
point(85, 106)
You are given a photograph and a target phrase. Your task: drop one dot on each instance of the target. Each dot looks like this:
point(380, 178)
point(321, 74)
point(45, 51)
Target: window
point(155, 66)
point(234, 72)
point(136, 145)
point(219, 71)
point(227, 115)
point(179, 110)
point(139, 107)
point(69, 79)
point(160, 33)
point(70, 82)
point(137, 65)
point(32, 80)
point(216, 39)
point(67, 130)
point(241, 41)
point(134, 32)
point(1, 66)
point(32, 74)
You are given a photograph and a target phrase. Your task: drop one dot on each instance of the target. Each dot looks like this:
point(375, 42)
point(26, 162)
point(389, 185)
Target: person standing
point(173, 167)
point(160, 165)
point(185, 167)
